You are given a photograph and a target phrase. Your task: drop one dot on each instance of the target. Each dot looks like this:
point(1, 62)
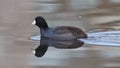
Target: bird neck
point(44, 32)
point(44, 25)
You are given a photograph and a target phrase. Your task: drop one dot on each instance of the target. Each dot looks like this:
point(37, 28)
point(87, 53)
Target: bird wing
point(61, 30)
point(76, 32)
point(60, 33)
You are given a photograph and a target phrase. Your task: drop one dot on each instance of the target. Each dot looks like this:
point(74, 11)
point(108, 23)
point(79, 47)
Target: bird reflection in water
point(46, 42)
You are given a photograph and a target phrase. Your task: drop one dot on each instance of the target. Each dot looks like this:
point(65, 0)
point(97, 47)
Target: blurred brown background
point(16, 17)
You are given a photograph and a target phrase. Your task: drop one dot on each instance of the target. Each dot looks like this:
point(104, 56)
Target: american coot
point(59, 32)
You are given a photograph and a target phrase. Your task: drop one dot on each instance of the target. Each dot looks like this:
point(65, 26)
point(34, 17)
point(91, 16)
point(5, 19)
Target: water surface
point(16, 17)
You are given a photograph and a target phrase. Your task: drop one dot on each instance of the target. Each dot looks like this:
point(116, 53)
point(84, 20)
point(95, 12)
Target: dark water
point(16, 49)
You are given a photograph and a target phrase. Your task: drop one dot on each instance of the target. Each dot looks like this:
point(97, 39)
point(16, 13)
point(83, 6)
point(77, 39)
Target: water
point(16, 49)
point(46, 42)
point(107, 38)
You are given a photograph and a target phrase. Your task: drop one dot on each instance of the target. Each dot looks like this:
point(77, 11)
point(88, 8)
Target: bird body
point(63, 33)
point(58, 32)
